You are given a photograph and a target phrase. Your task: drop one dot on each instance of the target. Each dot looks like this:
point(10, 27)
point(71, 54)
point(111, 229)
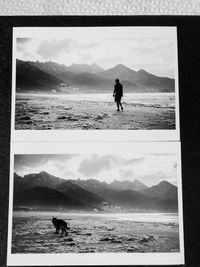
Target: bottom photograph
point(122, 199)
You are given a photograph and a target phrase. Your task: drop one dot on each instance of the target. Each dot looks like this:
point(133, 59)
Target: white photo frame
point(95, 135)
point(100, 148)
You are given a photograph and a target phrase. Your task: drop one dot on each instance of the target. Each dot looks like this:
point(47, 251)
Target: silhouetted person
point(118, 93)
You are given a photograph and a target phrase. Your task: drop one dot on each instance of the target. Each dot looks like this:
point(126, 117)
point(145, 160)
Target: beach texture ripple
point(33, 232)
point(95, 111)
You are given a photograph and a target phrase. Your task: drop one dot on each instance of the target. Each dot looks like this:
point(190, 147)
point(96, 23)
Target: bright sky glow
point(149, 48)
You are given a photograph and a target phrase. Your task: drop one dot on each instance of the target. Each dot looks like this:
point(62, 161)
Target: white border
point(91, 135)
point(96, 258)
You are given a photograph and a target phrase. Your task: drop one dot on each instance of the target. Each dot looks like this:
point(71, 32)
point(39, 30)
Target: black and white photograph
point(95, 78)
point(112, 201)
point(99, 140)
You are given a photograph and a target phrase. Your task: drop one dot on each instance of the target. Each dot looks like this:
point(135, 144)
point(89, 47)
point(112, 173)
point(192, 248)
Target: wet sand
point(90, 234)
point(45, 113)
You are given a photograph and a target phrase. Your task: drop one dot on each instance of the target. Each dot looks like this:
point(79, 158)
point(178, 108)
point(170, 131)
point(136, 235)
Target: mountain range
point(51, 77)
point(45, 191)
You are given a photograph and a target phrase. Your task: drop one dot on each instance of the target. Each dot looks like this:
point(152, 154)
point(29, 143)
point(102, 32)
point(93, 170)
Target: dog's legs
point(66, 232)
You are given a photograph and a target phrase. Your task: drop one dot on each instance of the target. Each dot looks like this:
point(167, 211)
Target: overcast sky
point(137, 48)
point(147, 168)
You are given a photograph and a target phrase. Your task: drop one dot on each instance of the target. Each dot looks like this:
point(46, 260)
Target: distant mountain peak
point(38, 173)
point(121, 66)
point(142, 71)
point(164, 190)
point(165, 183)
point(94, 64)
point(43, 173)
point(137, 181)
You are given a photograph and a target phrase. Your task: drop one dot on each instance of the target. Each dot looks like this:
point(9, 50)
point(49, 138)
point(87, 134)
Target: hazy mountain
point(90, 194)
point(30, 78)
point(46, 198)
point(127, 197)
point(49, 67)
point(42, 179)
point(92, 185)
point(18, 183)
point(119, 71)
point(140, 78)
point(75, 75)
point(164, 84)
point(133, 200)
point(98, 187)
point(71, 189)
point(55, 69)
point(163, 190)
point(79, 68)
point(128, 185)
point(66, 187)
point(86, 78)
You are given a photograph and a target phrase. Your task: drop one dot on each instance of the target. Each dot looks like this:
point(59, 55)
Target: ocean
point(162, 99)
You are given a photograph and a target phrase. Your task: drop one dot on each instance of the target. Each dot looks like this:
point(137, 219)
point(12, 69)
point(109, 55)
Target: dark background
point(188, 28)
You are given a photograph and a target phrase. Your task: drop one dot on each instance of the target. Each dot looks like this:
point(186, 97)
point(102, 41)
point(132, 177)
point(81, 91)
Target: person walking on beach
point(118, 94)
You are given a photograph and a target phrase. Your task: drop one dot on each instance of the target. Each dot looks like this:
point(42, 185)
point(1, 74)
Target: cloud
point(53, 48)
point(127, 174)
point(23, 40)
point(110, 60)
point(21, 43)
point(50, 49)
point(154, 55)
point(160, 154)
point(32, 161)
point(85, 57)
point(149, 168)
point(151, 45)
point(133, 160)
point(94, 165)
point(89, 45)
point(175, 166)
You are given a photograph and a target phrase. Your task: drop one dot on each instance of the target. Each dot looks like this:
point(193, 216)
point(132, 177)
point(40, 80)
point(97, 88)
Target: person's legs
point(121, 105)
point(117, 106)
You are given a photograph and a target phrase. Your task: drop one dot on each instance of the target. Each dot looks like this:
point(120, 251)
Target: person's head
point(117, 80)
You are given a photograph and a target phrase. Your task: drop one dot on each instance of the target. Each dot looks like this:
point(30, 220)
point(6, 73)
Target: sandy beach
point(34, 233)
point(90, 111)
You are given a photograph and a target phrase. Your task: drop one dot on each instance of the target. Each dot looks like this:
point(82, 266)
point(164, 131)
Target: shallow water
point(33, 232)
point(162, 99)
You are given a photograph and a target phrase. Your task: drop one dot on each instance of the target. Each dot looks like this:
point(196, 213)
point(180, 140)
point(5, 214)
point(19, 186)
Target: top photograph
point(121, 82)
